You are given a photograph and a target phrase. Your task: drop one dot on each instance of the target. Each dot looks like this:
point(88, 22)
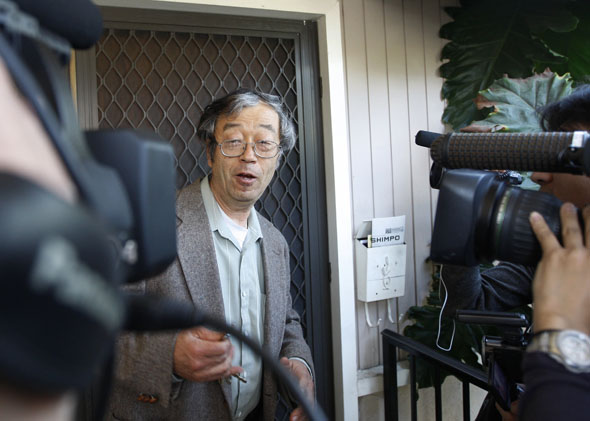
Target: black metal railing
point(466, 374)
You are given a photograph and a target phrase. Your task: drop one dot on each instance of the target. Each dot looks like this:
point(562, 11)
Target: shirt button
point(244, 293)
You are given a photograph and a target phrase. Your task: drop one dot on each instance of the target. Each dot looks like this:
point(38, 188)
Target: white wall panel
point(382, 172)
point(360, 150)
point(392, 49)
point(399, 131)
point(392, 58)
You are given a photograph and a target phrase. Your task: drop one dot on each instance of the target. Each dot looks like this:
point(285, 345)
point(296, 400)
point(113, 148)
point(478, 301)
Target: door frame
point(309, 105)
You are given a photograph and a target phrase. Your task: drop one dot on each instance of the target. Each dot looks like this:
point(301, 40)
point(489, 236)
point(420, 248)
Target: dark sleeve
point(552, 392)
point(502, 287)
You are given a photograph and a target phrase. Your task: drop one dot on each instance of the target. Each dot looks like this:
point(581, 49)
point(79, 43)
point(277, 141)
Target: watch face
point(575, 348)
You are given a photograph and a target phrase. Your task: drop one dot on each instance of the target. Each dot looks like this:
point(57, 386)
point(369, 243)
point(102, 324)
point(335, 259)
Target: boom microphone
point(564, 152)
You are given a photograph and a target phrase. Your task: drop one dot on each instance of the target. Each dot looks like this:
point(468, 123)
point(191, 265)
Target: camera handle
point(510, 323)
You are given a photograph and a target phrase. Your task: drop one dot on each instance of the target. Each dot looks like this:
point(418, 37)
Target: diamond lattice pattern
point(161, 81)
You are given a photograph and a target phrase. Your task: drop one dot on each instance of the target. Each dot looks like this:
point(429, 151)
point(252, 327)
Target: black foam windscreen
point(78, 21)
point(537, 151)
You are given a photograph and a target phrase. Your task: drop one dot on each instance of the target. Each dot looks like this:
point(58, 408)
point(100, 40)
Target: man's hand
point(561, 288)
point(511, 415)
point(203, 355)
point(301, 373)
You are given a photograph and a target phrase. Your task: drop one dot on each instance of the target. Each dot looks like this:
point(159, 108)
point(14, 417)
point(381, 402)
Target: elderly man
point(231, 263)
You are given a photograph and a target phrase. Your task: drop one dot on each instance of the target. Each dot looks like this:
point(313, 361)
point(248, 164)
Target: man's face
point(566, 187)
point(238, 182)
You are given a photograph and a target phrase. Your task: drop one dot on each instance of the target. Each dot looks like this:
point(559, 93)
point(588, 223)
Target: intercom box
point(381, 271)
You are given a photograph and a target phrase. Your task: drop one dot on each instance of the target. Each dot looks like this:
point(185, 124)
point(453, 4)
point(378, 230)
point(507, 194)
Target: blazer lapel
point(274, 293)
point(196, 253)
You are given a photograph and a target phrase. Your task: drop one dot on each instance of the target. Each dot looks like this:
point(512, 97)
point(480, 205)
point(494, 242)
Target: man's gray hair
point(235, 102)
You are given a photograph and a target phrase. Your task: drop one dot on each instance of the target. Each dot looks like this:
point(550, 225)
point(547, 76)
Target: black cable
point(148, 313)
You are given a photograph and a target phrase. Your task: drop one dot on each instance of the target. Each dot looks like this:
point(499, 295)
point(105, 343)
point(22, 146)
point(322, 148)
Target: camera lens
point(503, 228)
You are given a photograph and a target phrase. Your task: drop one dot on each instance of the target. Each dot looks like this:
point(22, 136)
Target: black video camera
point(502, 355)
point(481, 216)
point(61, 263)
point(124, 178)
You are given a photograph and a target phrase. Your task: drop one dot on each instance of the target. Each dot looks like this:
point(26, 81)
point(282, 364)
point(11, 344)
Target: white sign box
point(381, 271)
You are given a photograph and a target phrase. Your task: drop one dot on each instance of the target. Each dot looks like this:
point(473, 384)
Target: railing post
point(393, 341)
point(437, 394)
point(390, 380)
point(466, 411)
point(413, 388)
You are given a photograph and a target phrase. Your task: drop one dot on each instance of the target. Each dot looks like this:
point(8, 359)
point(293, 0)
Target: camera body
point(482, 216)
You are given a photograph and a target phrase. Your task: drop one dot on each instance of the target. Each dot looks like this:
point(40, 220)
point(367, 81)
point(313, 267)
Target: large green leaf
point(516, 102)
point(489, 39)
point(574, 45)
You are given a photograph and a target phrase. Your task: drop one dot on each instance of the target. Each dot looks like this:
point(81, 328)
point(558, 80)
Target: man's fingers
point(542, 232)
point(216, 351)
point(570, 227)
point(298, 414)
point(208, 334)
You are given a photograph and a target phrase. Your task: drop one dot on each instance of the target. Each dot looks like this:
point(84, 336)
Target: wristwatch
point(568, 347)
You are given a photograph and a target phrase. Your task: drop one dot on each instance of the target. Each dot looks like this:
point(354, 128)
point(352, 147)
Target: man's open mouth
point(246, 176)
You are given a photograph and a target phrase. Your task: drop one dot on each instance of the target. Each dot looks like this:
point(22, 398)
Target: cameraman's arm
point(561, 291)
point(502, 287)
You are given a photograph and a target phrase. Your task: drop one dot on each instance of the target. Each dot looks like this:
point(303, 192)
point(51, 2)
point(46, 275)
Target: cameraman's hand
point(511, 415)
point(561, 288)
point(203, 355)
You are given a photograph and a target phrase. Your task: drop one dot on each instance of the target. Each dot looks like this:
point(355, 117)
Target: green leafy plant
point(515, 103)
point(490, 39)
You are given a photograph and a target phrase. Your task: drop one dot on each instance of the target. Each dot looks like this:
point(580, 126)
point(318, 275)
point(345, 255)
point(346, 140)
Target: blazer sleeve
point(294, 344)
point(144, 361)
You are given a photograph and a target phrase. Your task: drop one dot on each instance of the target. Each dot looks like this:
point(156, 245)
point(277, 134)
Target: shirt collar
point(215, 216)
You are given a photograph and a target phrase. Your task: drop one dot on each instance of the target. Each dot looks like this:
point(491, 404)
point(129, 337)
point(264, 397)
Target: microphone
point(78, 21)
point(565, 152)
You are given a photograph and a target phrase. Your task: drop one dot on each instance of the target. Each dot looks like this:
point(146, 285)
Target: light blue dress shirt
point(242, 285)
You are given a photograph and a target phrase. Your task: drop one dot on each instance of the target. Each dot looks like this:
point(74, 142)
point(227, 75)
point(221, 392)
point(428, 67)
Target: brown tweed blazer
point(144, 361)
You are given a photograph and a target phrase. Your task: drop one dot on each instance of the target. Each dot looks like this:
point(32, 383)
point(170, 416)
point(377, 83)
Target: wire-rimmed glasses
point(262, 148)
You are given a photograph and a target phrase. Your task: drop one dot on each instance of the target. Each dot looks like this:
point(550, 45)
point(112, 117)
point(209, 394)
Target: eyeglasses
point(262, 148)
